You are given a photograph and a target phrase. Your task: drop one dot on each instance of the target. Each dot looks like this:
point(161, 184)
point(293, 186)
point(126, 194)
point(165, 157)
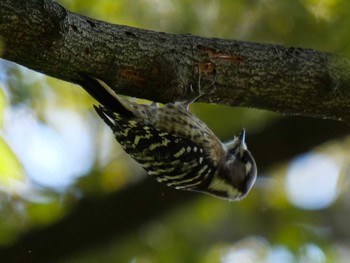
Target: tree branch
point(42, 35)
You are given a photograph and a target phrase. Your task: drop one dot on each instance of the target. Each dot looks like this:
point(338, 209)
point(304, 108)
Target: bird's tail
point(104, 95)
point(106, 115)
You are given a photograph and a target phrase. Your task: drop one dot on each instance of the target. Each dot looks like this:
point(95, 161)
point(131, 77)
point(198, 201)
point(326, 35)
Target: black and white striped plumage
point(174, 146)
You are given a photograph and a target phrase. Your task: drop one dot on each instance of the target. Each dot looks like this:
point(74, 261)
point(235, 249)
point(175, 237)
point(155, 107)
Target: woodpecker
point(174, 146)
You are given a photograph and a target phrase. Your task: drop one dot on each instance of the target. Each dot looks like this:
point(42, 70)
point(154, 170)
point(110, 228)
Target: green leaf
point(12, 177)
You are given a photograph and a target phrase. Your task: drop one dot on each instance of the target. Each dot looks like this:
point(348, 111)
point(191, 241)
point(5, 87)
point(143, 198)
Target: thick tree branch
point(42, 35)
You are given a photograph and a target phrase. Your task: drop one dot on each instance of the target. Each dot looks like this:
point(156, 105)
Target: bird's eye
point(245, 158)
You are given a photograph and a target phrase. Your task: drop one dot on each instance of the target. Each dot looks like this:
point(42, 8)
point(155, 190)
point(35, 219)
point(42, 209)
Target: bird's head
point(237, 172)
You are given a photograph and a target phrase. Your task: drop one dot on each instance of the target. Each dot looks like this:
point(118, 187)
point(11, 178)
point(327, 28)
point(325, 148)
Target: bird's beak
point(241, 137)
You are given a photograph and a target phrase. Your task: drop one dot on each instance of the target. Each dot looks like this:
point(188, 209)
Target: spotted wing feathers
point(172, 160)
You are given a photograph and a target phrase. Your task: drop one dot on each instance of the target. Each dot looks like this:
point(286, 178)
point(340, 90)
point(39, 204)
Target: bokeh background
point(55, 153)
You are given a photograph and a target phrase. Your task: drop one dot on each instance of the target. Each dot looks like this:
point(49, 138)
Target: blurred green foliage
point(266, 226)
point(11, 170)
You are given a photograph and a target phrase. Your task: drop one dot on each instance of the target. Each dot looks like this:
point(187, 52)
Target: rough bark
point(44, 36)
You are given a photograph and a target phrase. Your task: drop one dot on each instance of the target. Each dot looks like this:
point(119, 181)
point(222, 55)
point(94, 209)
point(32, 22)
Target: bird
point(174, 146)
